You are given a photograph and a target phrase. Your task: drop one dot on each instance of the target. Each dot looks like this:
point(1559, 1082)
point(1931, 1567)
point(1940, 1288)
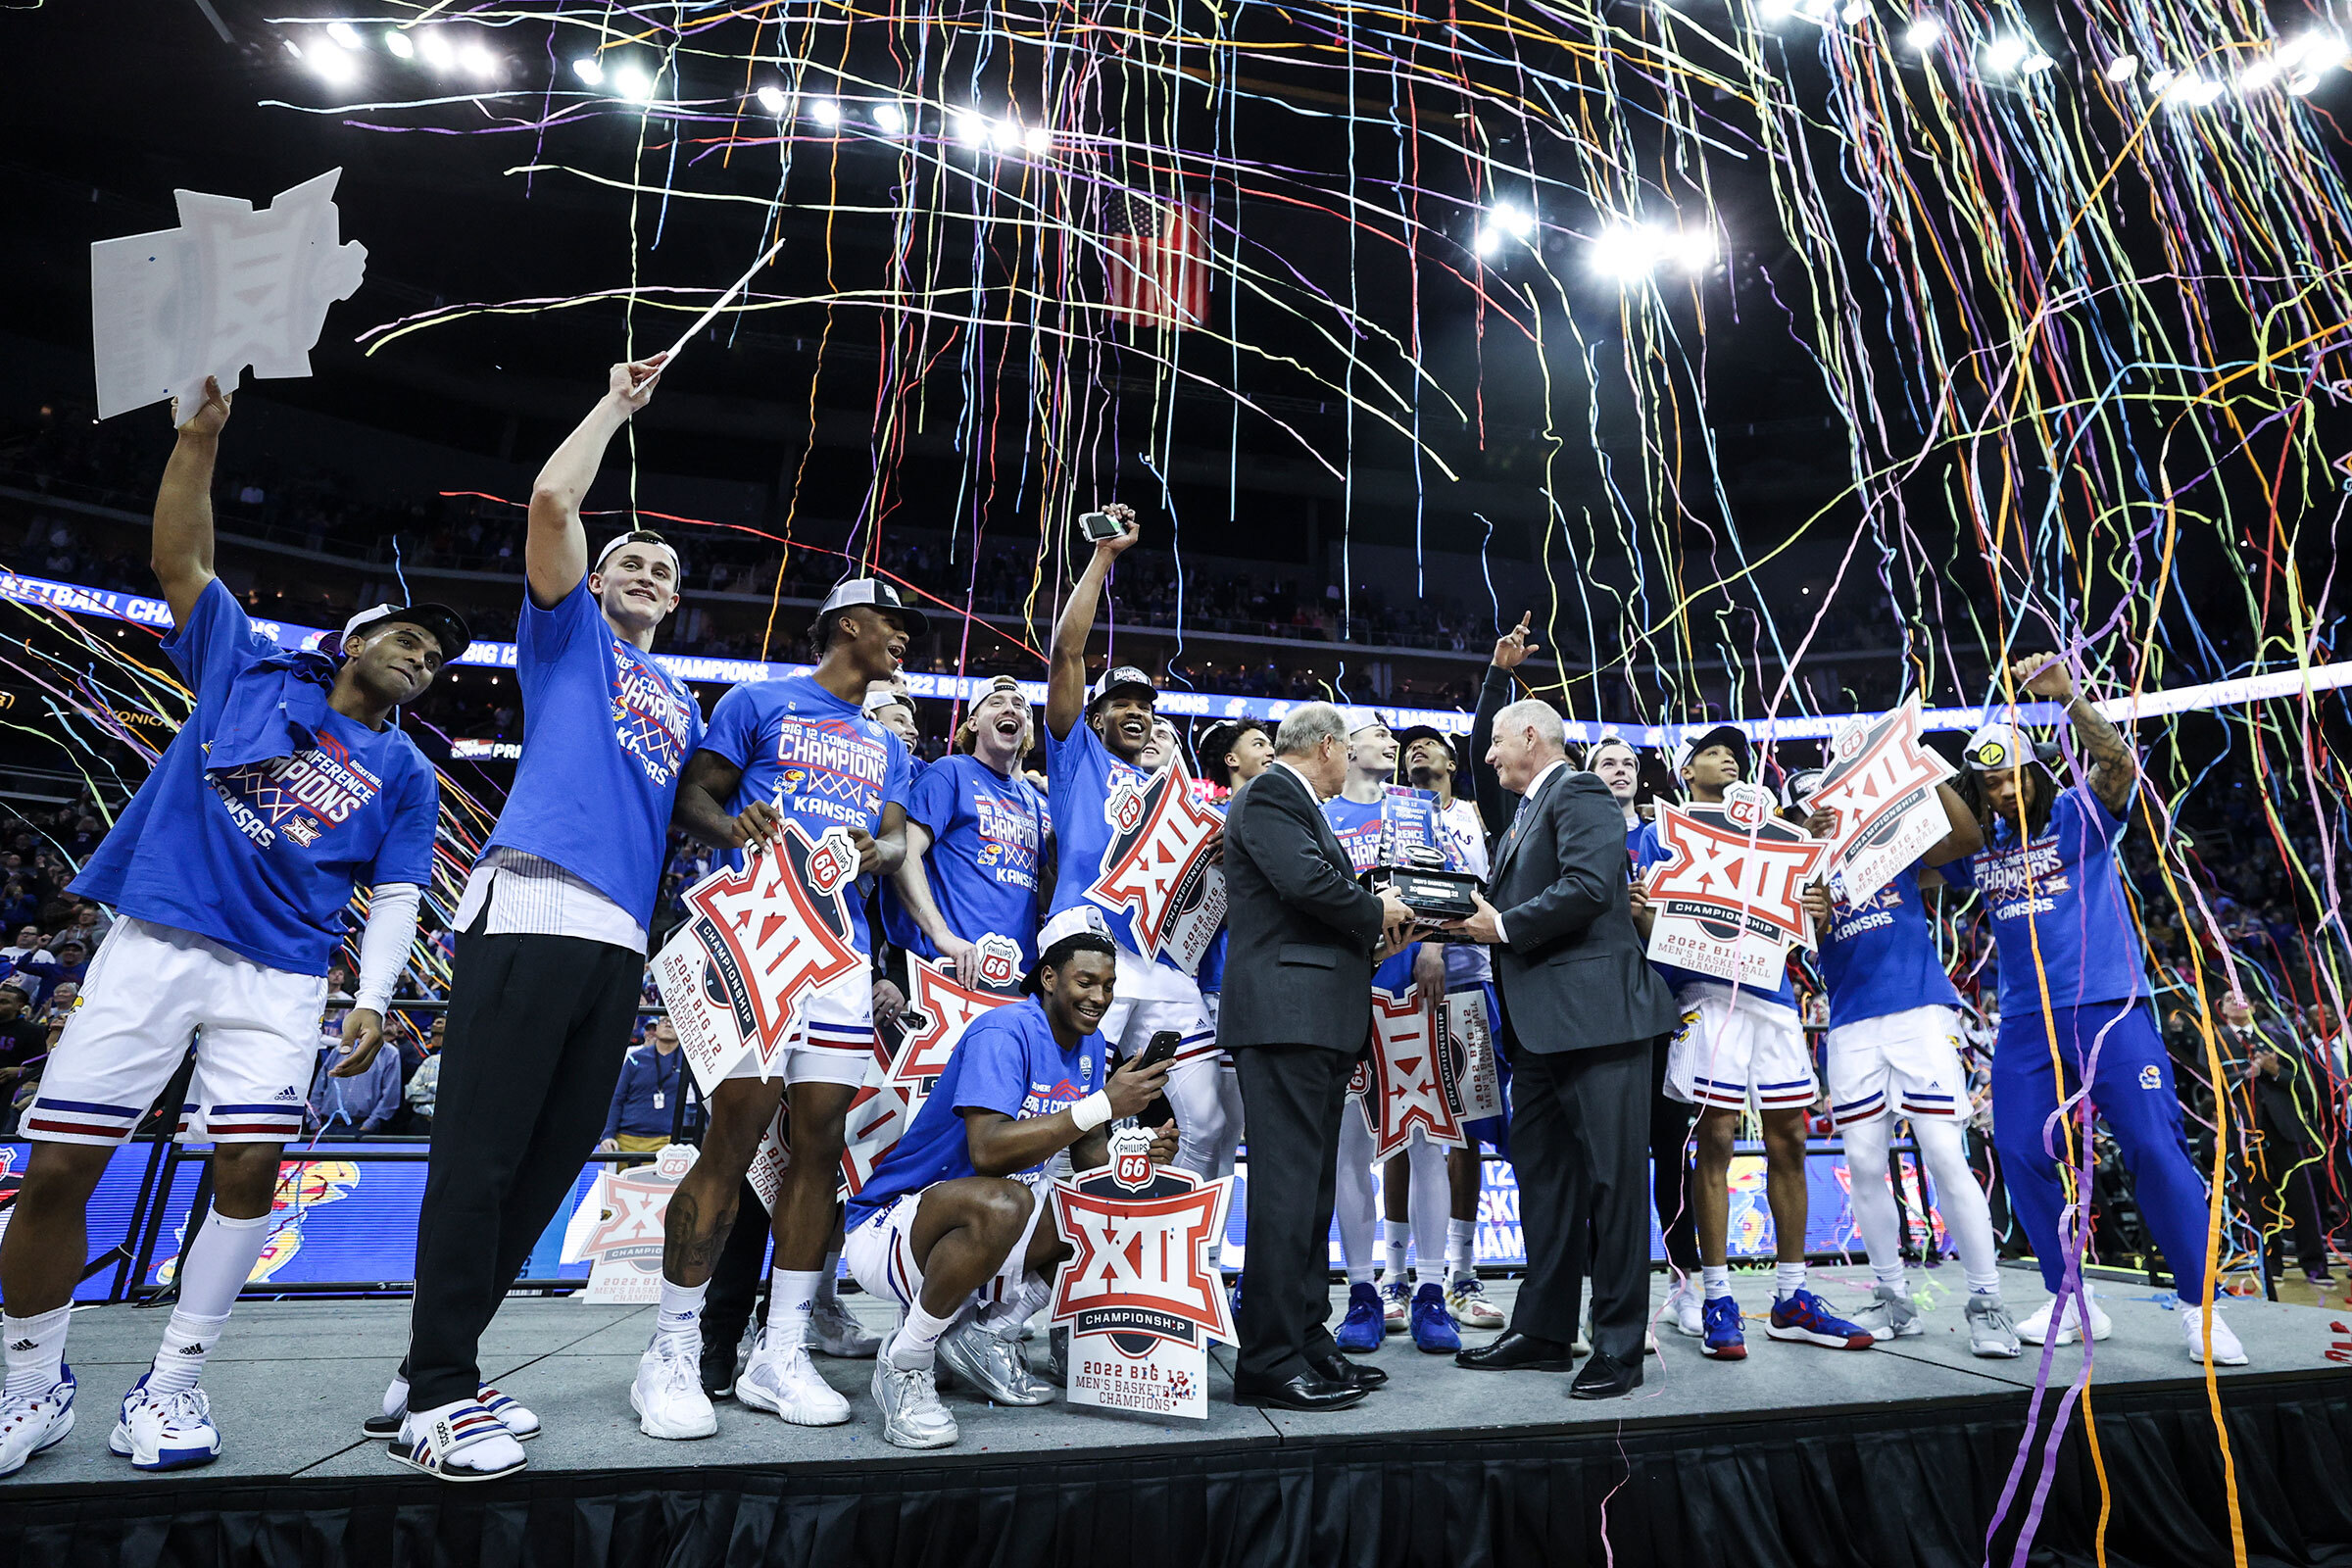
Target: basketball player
point(976, 836)
point(796, 748)
point(288, 786)
point(1741, 1045)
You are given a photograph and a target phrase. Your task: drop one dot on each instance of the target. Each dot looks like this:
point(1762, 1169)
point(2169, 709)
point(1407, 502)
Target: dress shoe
point(1517, 1352)
point(1308, 1391)
point(1337, 1368)
point(1604, 1376)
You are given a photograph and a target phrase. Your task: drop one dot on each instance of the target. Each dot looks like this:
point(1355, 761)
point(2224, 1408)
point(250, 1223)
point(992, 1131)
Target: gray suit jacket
point(1300, 928)
point(1572, 974)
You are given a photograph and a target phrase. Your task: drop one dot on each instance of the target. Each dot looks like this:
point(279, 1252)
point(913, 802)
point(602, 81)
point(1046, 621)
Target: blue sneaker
point(1433, 1325)
point(1805, 1317)
point(1725, 1340)
point(1363, 1331)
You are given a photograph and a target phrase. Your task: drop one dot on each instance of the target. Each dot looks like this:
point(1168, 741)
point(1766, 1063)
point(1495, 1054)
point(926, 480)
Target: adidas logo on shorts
point(288, 1093)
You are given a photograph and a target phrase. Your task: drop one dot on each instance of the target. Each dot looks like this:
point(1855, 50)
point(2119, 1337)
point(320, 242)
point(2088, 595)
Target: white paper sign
point(1141, 1291)
point(1729, 902)
point(941, 1007)
point(1474, 1080)
point(1157, 868)
point(1881, 785)
point(228, 288)
point(626, 1215)
point(1408, 1085)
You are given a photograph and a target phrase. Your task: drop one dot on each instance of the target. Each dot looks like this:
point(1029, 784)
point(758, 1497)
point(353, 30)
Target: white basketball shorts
point(1905, 1062)
point(881, 1255)
point(1150, 998)
point(151, 988)
point(1733, 1054)
point(838, 1046)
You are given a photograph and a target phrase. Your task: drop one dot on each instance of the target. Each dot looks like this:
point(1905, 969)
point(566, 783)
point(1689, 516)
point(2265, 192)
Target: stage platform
point(1799, 1455)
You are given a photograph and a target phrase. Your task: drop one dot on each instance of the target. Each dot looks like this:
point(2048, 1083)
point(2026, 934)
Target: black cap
point(1122, 678)
point(1425, 732)
point(1731, 735)
point(448, 627)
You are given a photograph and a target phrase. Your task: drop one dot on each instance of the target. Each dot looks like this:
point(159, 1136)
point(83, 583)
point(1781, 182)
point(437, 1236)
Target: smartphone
point(1099, 525)
point(1162, 1048)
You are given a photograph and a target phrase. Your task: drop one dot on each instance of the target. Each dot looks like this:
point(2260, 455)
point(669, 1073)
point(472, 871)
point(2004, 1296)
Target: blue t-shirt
point(605, 733)
point(812, 756)
point(1648, 851)
point(987, 832)
point(1358, 825)
point(2063, 889)
point(1080, 774)
point(1878, 958)
point(262, 859)
point(1007, 1062)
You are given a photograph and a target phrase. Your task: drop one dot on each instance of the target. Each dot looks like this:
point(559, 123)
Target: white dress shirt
point(1534, 786)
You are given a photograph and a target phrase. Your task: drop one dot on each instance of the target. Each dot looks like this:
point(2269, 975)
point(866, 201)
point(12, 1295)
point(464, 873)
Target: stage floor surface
point(292, 1381)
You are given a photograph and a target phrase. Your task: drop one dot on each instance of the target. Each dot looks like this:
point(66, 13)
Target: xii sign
point(1729, 902)
point(1881, 785)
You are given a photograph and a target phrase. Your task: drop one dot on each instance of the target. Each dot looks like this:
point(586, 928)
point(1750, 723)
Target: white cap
point(619, 539)
point(882, 694)
point(1360, 720)
point(1998, 745)
point(1079, 919)
point(879, 594)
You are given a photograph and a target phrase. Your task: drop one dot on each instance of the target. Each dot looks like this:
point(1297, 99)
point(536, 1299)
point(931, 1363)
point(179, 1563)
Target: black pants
point(735, 1277)
point(1577, 1125)
point(2282, 1181)
point(537, 1029)
point(1293, 1096)
point(1670, 1123)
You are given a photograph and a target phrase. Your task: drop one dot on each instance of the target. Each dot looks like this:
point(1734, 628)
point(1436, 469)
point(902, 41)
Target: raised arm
point(1066, 675)
point(1966, 837)
point(1500, 689)
point(182, 549)
point(2114, 769)
point(555, 552)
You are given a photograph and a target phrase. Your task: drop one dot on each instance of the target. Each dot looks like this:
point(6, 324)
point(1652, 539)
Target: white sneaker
point(164, 1431)
point(1686, 1310)
point(1467, 1301)
point(1397, 1306)
point(993, 1366)
point(1991, 1331)
point(908, 1397)
point(2036, 1328)
point(667, 1393)
point(834, 1331)
point(2227, 1351)
point(785, 1382)
point(31, 1423)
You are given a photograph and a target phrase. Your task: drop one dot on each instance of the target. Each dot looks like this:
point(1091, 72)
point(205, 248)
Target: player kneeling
point(948, 1225)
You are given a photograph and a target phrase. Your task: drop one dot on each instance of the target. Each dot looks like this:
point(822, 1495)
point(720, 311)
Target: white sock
point(1431, 1204)
point(1358, 1274)
point(1873, 1201)
point(36, 1351)
point(916, 1343)
point(1461, 1238)
point(681, 1314)
point(1718, 1278)
point(1351, 1201)
point(791, 1297)
point(212, 1269)
point(187, 1340)
point(1395, 1234)
point(1005, 1318)
point(494, 1452)
point(829, 1276)
point(396, 1397)
point(1788, 1279)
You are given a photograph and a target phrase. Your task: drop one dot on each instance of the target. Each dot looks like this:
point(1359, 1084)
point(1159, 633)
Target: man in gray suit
point(1582, 1012)
point(1297, 1012)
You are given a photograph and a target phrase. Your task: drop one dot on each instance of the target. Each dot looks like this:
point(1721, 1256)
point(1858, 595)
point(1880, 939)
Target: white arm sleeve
point(384, 943)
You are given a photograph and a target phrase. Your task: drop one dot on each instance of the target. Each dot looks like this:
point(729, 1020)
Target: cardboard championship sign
point(1882, 783)
point(1157, 868)
point(756, 946)
point(1141, 1291)
point(619, 1225)
point(1729, 903)
point(1409, 1081)
point(1471, 1076)
point(940, 1007)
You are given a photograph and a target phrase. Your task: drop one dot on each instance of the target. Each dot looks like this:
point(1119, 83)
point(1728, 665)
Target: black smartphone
point(1162, 1048)
point(1099, 525)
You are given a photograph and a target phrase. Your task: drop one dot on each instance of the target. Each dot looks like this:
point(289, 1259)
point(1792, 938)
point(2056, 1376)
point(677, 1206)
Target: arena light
point(335, 65)
point(478, 61)
point(2004, 54)
point(2313, 52)
point(1515, 222)
point(2258, 76)
point(1694, 250)
point(1005, 136)
point(2121, 68)
point(969, 128)
point(1487, 240)
point(435, 49)
point(633, 85)
point(397, 44)
point(825, 112)
point(1855, 15)
point(890, 119)
point(1924, 34)
point(772, 100)
point(1774, 10)
point(344, 33)
point(590, 71)
point(1037, 141)
point(2035, 64)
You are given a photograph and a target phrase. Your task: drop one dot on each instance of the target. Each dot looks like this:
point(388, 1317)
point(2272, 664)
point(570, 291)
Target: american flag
point(1159, 261)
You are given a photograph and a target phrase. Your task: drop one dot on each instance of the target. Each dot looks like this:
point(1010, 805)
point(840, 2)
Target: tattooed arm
point(2114, 769)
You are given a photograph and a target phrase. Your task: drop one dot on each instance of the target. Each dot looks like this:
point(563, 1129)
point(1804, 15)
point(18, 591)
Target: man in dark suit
point(1582, 1012)
point(1298, 1009)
